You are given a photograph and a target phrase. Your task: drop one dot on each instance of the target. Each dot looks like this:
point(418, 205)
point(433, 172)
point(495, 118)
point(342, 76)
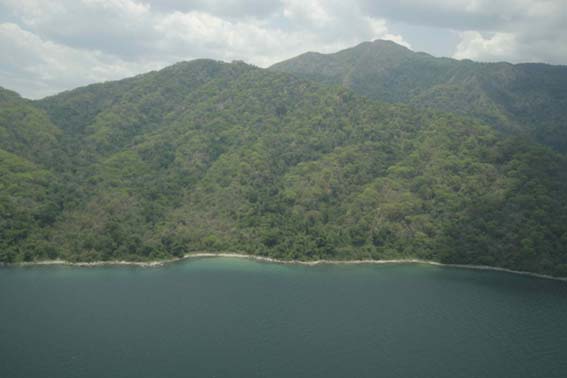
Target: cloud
point(55, 45)
point(120, 27)
point(511, 47)
point(481, 15)
point(50, 45)
point(398, 39)
point(475, 46)
point(38, 67)
point(510, 30)
point(224, 8)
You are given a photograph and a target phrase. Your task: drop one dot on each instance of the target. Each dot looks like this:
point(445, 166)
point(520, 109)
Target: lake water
point(223, 317)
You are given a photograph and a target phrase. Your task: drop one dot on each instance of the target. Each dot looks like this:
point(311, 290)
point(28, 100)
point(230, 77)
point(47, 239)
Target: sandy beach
point(152, 264)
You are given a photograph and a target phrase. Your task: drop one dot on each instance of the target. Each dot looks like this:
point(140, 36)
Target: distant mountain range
point(374, 152)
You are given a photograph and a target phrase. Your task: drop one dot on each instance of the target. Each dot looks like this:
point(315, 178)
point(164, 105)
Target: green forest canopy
point(215, 156)
point(525, 99)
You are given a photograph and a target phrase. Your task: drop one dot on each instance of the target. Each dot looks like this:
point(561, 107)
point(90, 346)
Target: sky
point(47, 46)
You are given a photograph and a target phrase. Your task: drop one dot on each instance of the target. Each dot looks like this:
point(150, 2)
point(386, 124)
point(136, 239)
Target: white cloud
point(308, 11)
point(511, 30)
point(512, 47)
point(121, 27)
point(49, 45)
point(398, 39)
point(38, 67)
point(499, 46)
point(231, 9)
point(258, 42)
point(57, 45)
point(528, 31)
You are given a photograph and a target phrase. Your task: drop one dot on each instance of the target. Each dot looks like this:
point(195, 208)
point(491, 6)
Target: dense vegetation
point(229, 157)
point(528, 99)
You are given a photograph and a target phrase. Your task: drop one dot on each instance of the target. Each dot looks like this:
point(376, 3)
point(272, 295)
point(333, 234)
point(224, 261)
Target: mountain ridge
point(210, 156)
point(528, 98)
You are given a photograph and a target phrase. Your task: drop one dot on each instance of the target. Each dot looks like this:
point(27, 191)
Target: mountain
point(526, 99)
point(205, 155)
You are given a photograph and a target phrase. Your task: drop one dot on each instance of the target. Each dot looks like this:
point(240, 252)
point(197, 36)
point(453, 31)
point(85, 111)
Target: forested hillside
point(214, 156)
point(29, 147)
point(528, 99)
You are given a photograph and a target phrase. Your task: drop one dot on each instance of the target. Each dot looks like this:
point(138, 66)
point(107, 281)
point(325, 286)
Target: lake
point(227, 317)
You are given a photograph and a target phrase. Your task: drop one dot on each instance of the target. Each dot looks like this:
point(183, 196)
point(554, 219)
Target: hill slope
point(522, 98)
point(29, 199)
point(213, 156)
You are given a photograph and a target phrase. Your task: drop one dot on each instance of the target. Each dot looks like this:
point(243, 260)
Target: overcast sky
point(47, 46)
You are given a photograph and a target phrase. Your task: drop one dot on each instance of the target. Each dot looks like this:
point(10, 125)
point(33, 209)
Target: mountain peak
point(386, 71)
point(379, 55)
point(387, 43)
point(379, 45)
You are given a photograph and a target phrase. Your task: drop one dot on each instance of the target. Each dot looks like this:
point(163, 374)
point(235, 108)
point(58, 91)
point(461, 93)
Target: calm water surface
point(223, 317)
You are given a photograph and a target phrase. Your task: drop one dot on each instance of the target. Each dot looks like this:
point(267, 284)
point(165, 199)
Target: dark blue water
point(239, 318)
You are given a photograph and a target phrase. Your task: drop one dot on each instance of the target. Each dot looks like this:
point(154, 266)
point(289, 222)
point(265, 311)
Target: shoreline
point(158, 263)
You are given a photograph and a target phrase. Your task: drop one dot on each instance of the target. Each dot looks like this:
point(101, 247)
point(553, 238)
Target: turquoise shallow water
point(222, 317)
